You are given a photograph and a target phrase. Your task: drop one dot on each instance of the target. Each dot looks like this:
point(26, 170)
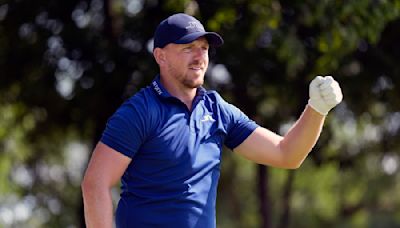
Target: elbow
point(294, 165)
point(92, 185)
point(293, 160)
point(291, 165)
point(88, 186)
point(293, 155)
point(283, 164)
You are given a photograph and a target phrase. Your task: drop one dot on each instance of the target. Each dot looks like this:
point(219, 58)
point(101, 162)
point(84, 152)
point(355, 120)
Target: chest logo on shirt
point(207, 118)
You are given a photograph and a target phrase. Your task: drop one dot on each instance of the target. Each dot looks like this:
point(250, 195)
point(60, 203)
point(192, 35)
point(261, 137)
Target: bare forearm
point(303, 135)
point(265, 147)
point(98, 208)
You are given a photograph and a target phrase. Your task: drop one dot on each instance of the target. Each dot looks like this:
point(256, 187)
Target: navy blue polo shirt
point(176, 155)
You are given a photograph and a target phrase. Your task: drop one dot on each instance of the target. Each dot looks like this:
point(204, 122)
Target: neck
point(184, 94)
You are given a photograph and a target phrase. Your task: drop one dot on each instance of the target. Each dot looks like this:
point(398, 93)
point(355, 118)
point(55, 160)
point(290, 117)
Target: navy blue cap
point(182, 29)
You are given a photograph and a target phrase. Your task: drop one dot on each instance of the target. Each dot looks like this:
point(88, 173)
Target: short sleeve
point(126, 129)
point(239, 125)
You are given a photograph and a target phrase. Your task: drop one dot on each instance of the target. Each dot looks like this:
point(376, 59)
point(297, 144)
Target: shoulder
point(137, 114)
point(143, 96)
point(143, 106)
point(135, 110)
point(214, 97)
point(141, 101)
point(220, 102)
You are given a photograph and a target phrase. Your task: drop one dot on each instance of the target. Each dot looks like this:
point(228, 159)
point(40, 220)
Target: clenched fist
point(325, 93)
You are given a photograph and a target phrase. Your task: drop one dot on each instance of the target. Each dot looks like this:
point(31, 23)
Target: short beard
point(184, 81)
point(191, 84)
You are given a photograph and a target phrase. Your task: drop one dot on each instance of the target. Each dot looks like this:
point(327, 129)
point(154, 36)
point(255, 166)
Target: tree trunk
point(263, 195)
point(288, 189)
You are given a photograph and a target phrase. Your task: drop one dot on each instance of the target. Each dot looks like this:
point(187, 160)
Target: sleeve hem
point(243, 136)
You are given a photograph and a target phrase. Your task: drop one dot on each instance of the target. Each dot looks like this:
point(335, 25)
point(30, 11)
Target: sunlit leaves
point(223, 18)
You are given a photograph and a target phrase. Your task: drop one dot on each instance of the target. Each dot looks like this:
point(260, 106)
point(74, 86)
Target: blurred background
point(65, 66)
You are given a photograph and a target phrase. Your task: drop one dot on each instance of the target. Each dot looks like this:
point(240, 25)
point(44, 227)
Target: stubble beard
point(186, 79)
point(192, 84)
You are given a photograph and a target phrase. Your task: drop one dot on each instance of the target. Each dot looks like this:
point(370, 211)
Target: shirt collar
point(160, 90)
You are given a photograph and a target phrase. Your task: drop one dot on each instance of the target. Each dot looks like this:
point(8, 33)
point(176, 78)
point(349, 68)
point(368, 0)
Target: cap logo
point(182, 28)
point(193, 25)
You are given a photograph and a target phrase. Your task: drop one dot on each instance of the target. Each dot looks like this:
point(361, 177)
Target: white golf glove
point(325, 93)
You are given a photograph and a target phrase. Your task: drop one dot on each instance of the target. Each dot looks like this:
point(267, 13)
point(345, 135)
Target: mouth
point(196, 68)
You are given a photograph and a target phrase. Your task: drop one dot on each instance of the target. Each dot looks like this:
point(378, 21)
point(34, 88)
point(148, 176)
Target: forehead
point(200, 41)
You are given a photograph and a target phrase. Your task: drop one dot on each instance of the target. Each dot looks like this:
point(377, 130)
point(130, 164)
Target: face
point(187, 63)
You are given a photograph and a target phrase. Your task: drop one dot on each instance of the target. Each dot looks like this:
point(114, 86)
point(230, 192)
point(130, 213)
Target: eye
point(187, 49)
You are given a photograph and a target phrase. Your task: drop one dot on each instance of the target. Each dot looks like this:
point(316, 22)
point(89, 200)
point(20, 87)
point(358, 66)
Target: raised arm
point(104, 171)
point(266, 147)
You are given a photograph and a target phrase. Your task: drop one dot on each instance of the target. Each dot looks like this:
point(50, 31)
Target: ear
point(159, 55)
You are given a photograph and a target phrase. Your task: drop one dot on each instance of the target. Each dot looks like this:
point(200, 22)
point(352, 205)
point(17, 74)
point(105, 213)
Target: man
point(165, 142)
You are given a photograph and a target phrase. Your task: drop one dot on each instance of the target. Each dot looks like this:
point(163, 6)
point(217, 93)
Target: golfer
point(164, 143)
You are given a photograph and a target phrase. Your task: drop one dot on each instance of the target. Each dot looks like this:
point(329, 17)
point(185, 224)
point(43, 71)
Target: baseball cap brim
point(214, 39)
